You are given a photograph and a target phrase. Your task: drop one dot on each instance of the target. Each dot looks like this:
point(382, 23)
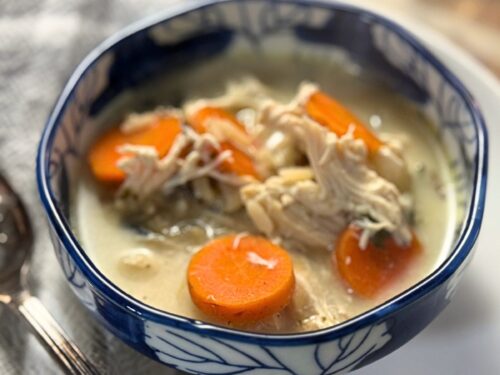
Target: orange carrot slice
point(240, 164)
point(368, 271)
point(103, 155)
point(333, 115)
point(241, 278)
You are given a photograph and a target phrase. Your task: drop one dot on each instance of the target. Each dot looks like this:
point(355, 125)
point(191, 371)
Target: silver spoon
point(16, 240)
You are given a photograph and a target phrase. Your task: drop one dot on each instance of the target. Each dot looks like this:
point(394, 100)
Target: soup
point(264, 201)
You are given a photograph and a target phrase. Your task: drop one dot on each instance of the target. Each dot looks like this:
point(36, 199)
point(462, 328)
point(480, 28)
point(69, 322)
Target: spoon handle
point(52, 335)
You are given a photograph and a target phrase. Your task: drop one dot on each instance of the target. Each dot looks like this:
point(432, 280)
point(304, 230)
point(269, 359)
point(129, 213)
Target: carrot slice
point(103, 155)
point(241, 278)
point(368, 271)
point(240, 164)
point(333, 115)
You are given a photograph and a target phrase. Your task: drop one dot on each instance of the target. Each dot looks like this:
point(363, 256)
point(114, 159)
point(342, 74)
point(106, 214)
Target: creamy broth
point(321, 298)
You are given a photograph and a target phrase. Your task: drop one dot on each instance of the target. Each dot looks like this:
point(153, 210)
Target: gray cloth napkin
point(41, 42)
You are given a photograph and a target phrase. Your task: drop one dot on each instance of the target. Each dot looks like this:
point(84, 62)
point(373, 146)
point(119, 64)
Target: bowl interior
point(152, 49)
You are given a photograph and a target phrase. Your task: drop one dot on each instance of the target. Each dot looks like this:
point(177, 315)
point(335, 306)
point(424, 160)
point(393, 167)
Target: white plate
point(465, 338)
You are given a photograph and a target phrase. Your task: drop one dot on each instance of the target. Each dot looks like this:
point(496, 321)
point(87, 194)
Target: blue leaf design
point(191, 352)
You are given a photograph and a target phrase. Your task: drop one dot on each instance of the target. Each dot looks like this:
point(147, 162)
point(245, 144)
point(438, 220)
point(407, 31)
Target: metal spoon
point(16, 240)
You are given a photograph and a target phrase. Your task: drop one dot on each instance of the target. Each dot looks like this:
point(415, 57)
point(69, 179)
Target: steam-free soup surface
point(148, 259)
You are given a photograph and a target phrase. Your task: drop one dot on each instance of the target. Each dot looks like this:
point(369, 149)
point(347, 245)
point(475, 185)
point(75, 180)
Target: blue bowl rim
point(112, 293)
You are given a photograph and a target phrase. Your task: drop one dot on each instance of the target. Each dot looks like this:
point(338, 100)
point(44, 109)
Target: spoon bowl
point(16, 243)
point(16, 238)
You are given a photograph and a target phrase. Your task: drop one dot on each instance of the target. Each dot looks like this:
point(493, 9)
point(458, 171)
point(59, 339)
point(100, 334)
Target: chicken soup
point(277, 204)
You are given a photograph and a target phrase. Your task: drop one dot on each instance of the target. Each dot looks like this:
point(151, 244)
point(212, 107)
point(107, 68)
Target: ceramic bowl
point(203, 29)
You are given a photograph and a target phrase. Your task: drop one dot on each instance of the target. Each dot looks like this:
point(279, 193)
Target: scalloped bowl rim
point(114, 294)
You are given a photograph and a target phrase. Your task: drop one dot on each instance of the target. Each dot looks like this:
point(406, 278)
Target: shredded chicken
point(147, 173)
point(245, 97)
point(249, 95)
point(344, 189)
point(388, 162)
point(311, 204)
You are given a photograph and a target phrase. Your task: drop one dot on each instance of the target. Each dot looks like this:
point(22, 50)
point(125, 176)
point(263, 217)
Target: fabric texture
point(41, 42)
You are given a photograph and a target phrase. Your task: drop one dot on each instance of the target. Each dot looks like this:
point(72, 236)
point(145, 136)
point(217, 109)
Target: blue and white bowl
point(201, 29)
